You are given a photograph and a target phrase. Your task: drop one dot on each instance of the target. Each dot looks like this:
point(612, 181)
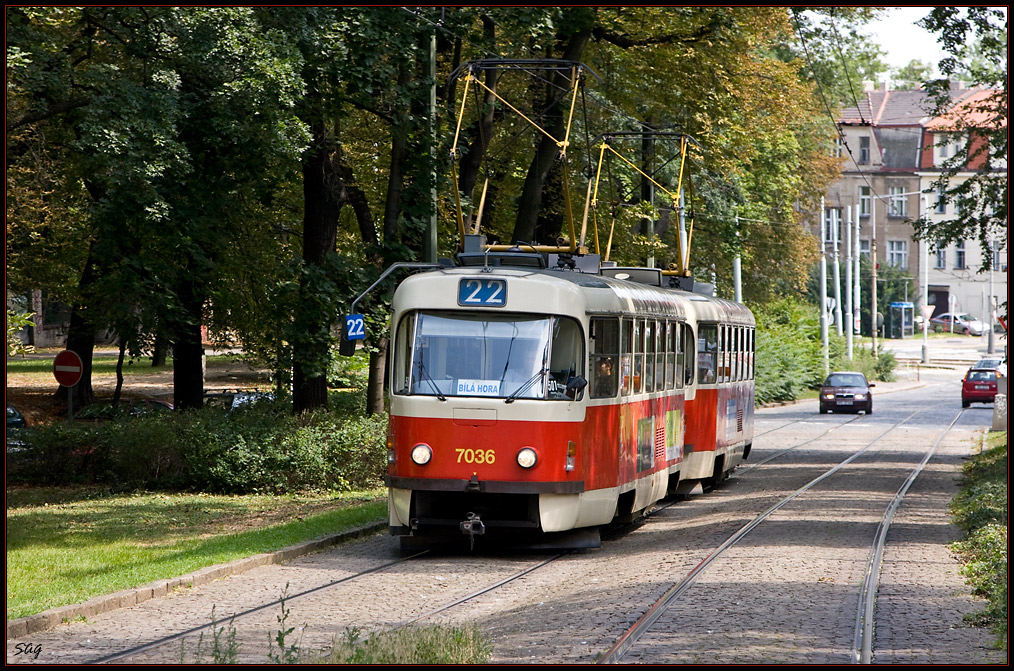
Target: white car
point(957, 323)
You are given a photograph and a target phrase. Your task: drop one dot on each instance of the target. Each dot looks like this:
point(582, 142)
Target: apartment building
point(894, 150)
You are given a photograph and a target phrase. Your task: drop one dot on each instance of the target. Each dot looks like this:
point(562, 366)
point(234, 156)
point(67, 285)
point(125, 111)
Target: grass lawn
point(67, 545)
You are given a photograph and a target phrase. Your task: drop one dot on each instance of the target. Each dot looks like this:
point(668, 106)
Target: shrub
point(260, 448)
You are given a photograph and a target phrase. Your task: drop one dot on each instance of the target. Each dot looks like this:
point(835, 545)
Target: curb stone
point(50, 619)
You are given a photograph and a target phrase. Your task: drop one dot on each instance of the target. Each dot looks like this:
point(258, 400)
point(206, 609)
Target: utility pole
point(430, 238)
point(848, 282)
point(873, 272)
point(737, 271)
point(857, 281)
point(990, 345)
point(835, 223)
point(926, 312)
point(823, 291)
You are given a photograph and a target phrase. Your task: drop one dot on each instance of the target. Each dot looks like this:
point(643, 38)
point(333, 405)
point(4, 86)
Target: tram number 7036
point(482, 292)
point(470, 456)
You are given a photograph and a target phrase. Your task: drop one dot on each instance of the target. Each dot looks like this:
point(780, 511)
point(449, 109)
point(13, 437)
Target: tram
point(535, 404)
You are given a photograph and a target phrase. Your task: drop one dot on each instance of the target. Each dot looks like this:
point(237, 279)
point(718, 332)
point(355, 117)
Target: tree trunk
point(81, 339)
point(119, 371)
point(160, 349)
point(375, 386)
point(311, 342)
point(188, 352)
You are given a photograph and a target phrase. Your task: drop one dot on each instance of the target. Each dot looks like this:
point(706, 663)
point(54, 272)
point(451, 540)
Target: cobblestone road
point(776, 599)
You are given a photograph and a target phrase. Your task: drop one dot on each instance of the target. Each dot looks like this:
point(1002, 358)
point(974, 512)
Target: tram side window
point(605, 351)
point(743, 375)
point(707, 353)
point(402, 345)
point(638, 343)
point(650, 345)
point(566, 357)
point(751, 350)
point(627, 357)
point(742, 353)
point(737, 356)
point(677, 355)
point(720, 356)
point(688, 353)
point(670, 353)
point(660, 336)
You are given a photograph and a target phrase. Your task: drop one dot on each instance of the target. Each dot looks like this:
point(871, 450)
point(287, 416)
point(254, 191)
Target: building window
point(864, 201)
point(864, 150)
point(897, 253)
point(897, 204)
point(864, 248)
point(832, 225)
point(941, 207)
point(941, 254)
point(959, 255)
point(839, 147)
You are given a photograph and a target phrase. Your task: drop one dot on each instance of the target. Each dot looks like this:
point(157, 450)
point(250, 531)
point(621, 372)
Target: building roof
point(975, 108)
point(884, 107)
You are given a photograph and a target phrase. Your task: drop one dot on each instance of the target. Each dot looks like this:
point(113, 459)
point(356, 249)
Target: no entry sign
point(67, 368)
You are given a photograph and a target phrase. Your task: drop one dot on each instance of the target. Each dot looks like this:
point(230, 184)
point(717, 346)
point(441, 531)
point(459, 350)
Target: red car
point(978, 386)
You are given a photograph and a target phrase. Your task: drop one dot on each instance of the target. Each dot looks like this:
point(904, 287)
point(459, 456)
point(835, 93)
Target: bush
point(980, 509)
point(789, 359)
point(261, 448)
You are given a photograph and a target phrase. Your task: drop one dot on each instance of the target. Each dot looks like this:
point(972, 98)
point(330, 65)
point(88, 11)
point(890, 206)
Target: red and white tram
point(540, 404)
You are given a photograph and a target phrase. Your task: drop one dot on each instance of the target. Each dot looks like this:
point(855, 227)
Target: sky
point(904, 41)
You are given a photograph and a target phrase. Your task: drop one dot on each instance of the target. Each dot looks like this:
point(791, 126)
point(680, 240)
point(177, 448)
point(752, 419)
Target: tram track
point(862, 639)
point(289, 599)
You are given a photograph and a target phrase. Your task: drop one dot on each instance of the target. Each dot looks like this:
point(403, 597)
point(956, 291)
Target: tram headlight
point(527, 457)
point(421, 454)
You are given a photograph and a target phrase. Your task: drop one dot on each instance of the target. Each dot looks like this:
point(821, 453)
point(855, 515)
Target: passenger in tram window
point(605, 380)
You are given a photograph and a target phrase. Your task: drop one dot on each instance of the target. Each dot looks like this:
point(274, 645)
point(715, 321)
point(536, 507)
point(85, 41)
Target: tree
point(180, 119)
point(912, 75)
point(981, 119)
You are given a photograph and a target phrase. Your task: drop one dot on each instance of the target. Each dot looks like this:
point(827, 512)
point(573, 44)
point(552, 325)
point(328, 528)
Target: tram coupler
point(472, 526)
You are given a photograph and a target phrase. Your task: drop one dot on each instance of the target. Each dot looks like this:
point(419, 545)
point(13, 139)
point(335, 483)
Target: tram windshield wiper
point(426, 376)
point(520, 390)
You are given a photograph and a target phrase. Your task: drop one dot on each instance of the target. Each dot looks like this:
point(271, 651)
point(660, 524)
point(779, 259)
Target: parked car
point(847, 391)
point(137, 407)
point(230, 399)
point(991, 362)
point(16, 427)
point(957, 323)
point(978, 386)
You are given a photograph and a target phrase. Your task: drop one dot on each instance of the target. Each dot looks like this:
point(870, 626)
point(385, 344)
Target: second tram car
point(538, 405)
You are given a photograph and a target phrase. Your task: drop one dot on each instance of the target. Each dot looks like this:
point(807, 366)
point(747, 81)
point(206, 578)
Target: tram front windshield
point(469, 354)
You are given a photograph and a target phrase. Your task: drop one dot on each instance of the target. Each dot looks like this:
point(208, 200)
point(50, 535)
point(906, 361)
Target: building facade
point(894, 151)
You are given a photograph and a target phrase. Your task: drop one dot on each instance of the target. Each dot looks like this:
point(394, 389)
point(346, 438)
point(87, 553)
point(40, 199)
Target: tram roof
point(607, 295)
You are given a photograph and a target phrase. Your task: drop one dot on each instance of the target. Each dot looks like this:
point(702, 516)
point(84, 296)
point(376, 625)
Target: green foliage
point(438, 644)
point(15, 322)
point(788, 359)
point(789, 355)
point(286, 654)
point(260, 448)
point(975, 39)
point(224, 646)
point(980, 509)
